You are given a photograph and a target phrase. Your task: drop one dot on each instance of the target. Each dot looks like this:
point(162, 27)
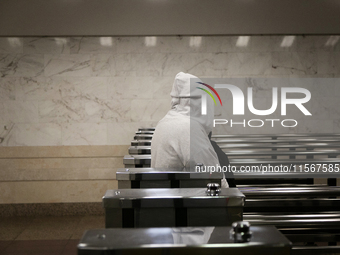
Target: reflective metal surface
point(146, 129)
point(162, 174)
point(191, 197)
point(252, 153)
point(145, 132)
point(279, 146)
point(136, 208)
point(290, 192)
point(278, 141)
point(274, 136)
point(146, 159)
point(213, 189)
point(241, 232)
point(141, 143)
point(194, 240)
point(143, 137)
point(317, 204)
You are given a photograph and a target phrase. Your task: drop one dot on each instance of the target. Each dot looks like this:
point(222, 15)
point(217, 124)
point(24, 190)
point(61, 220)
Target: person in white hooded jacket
point(181, 137)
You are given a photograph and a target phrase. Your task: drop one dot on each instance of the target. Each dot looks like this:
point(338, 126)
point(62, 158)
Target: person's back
point(181, 137)
point(170, 146)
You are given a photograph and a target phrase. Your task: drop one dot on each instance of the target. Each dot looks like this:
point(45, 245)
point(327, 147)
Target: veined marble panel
point(272, 43)
point(162, 86)
point(34, 134)
point(46, 45)
point(124, 65)
point(140, 87)
point(334, 107)
point(7, 88)
point(60, 111)
point(146, 110)
point(115, 80)
point(21, 65)
point(248, 64)
point(2, 125)
point(330, 43)
point(221, 44)
point(319, 87)
point(102, 65)
point(313, 43)
point(328, 63)
point(139, 64)
point(199, 64)
point(81, 45)
point(231, 44)
point(68, 65)
point(150, 64)
point(175, 63)
point(226, 111)
point(116, 110)
point(11, 45)
point(263, 87)
point(89, 88)
point(36, 89)
point(84, 111)
point(322, 108)
point(84, 134)
point(21, 112)
point(286, 63)
point(160, 44)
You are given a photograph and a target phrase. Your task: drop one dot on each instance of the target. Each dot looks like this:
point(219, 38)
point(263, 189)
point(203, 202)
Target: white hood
point(187, 99)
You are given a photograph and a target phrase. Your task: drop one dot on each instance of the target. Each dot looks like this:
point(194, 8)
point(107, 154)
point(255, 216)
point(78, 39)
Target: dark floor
point(44, 235)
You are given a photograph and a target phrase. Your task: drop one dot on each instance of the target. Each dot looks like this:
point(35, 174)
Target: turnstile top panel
point(156, 198)
point(147, 129)
point(186, 237)
point(139, 174)
point(141, 143)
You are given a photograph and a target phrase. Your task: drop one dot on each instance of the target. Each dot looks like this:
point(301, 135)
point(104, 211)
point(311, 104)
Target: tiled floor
point(44, 235)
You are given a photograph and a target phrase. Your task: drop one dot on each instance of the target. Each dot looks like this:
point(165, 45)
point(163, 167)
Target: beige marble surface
point(58, 174)
point(98, 90)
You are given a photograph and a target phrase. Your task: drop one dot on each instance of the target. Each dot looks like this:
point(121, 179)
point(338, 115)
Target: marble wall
point(99, 90)
point(69, 106)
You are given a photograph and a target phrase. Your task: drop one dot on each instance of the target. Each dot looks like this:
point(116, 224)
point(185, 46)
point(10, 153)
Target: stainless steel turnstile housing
point(164, 178)
point(139, 208)
point(265, 240)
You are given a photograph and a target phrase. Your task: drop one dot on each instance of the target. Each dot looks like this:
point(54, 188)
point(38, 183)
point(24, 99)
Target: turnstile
point(137, 178)
point(139, 208)
point(187, 240)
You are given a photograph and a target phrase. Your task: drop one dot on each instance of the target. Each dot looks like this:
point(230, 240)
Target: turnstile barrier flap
point(176, 198)
point(264, 240)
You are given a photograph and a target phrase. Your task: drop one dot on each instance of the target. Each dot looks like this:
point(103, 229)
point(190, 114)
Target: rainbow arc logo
point(209, 93)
